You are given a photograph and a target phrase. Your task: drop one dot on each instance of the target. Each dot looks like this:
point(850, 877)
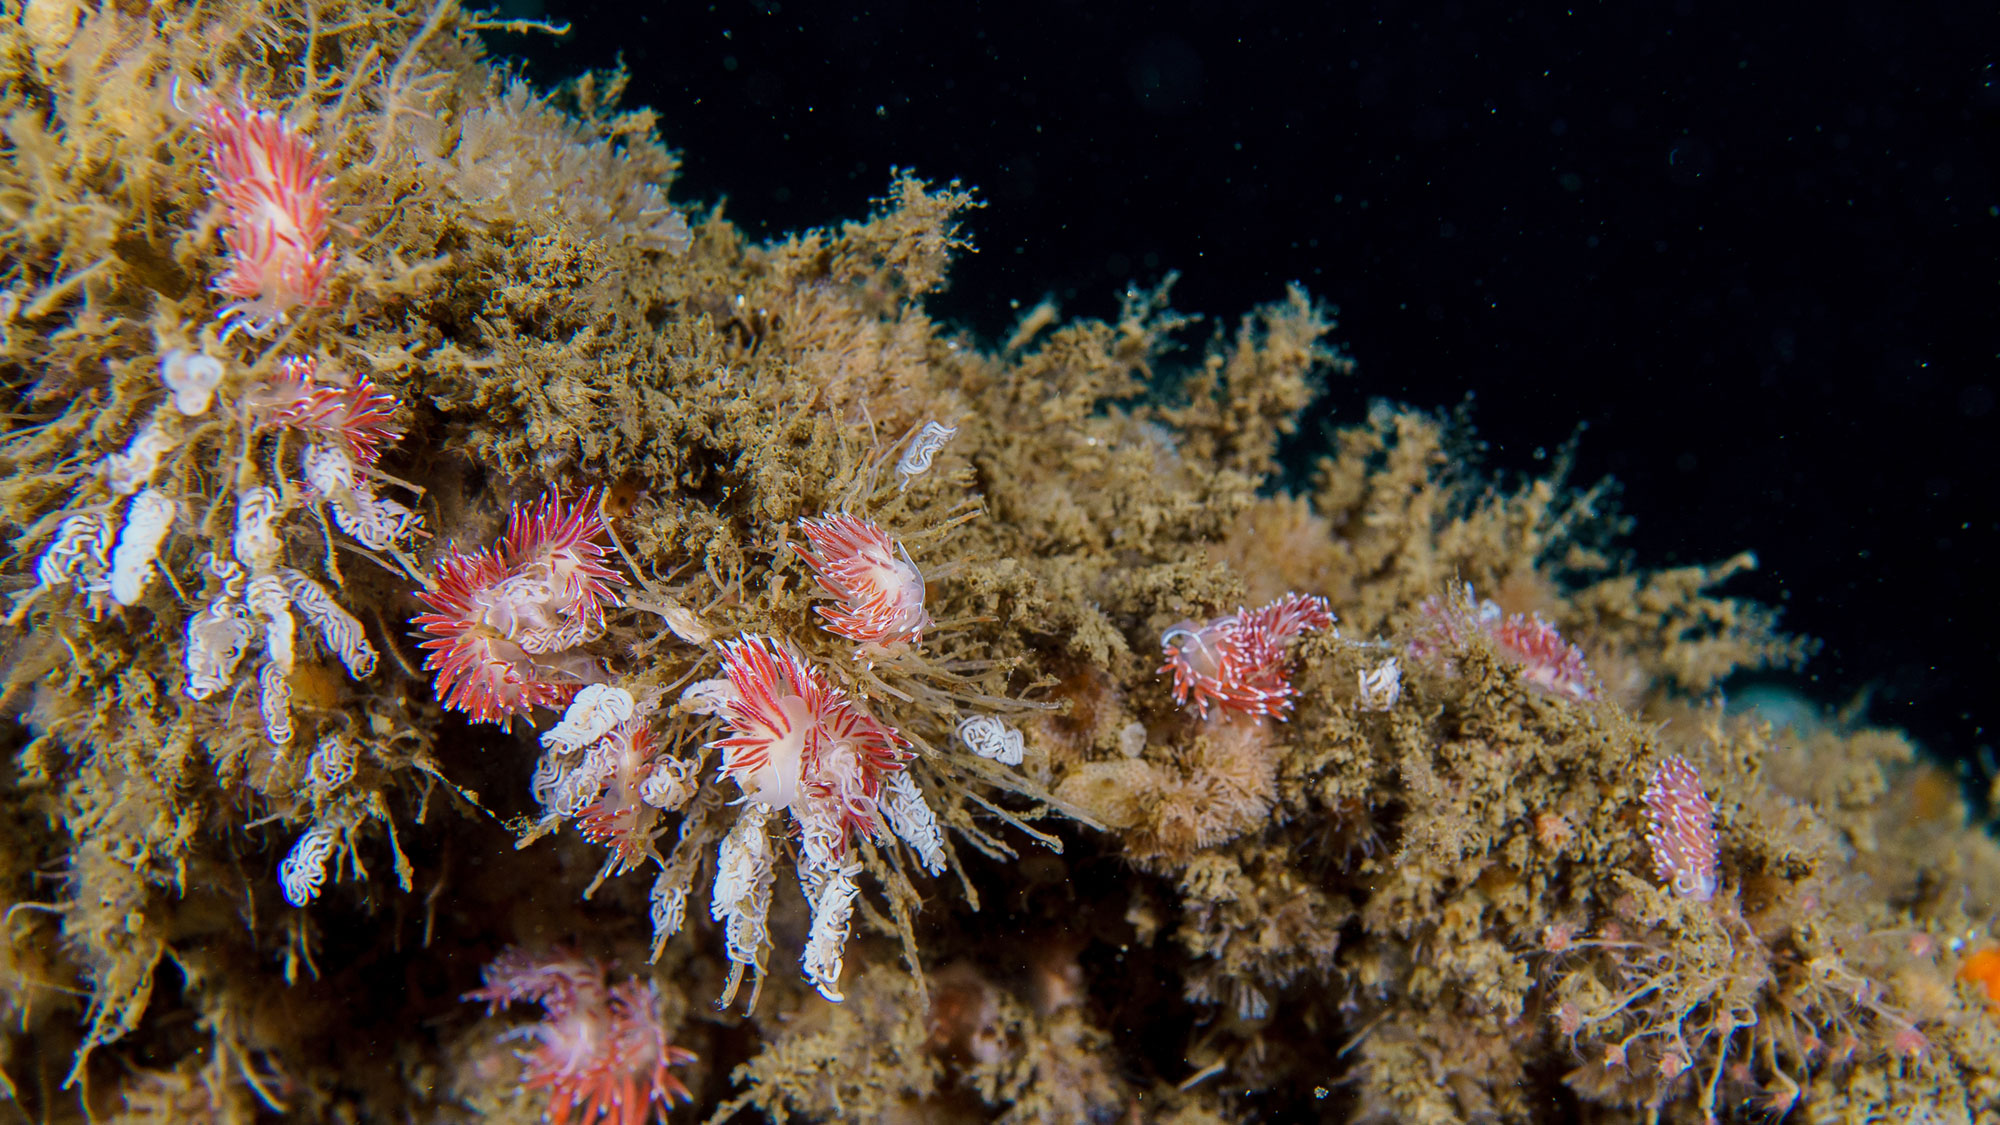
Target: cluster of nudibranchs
point(505, 634)
point(797, 743)
point(272, 189)
point(505, 621)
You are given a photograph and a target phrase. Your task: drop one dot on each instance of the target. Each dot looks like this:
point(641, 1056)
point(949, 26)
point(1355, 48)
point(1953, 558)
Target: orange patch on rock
point(1983, 967)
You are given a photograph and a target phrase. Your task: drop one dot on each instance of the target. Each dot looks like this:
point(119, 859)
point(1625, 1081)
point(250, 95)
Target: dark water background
point(1757, 255)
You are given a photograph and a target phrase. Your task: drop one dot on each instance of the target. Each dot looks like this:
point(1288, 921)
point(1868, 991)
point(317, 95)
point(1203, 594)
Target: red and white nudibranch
point(879, 590)
point(1237, 663)
point(556, 545)
point(501, 617)
point(273, 186)
point(639, 780)
point(795, 742)
point(355, 412)
point(1547, 662)
point(600, 1051)
point(481, 669)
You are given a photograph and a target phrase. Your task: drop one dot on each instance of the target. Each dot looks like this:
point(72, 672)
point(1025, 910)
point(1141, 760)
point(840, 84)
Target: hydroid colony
point(450, 582)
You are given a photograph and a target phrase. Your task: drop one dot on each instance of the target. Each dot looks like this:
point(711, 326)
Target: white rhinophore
point(217, 638)
point(192, 377)
point(903, 806)
point(590, 716)
point(255, 544)
point(132, 470)
point(146, 523)
point(303, 871)
point(831, 892)
point(988, 737)
point(916, 460)
point(338, 629)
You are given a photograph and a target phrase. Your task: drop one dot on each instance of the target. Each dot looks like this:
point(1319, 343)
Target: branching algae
point(484, 642)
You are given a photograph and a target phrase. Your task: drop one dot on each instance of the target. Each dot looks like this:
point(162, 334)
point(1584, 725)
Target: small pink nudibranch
point(879, 590)
point(1547, 662)
point(1237, 663)
point(354, 411)
point(1682, 829)
point(622, 818)
point(599, 1050)
point(273, 186)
